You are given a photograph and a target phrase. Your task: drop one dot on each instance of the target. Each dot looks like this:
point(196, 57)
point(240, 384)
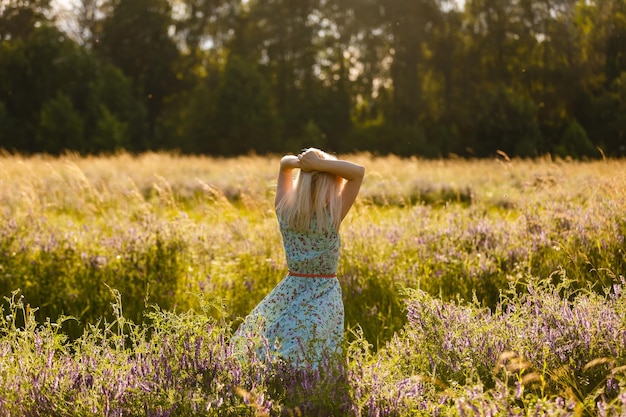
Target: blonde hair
point(315, 195)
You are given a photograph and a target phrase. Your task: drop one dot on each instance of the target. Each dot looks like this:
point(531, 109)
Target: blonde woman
point(302, 318)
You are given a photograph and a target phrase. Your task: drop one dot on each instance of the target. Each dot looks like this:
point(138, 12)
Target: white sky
point(61, 4)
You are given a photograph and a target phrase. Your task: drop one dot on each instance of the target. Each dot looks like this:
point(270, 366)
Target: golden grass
point(40, 181)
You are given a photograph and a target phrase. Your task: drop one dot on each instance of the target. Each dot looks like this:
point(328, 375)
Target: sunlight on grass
point(453, 272)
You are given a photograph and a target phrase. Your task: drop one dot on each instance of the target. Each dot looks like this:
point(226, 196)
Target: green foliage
point(507, 122)
point(608, 114)
point(575, 142)
point(117, 118)
point(18, 19)
point(221, 77)
point(68, 280)
point(110, 133)
point(245, 119)
point(193, 133)
point(35, 69)
point(56, 97)
point(135, 39)
point(5, 127)
point(60, 126)
point(331, 116)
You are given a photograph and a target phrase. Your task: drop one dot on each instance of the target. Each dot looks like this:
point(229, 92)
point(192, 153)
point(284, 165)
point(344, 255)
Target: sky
point(61, 4)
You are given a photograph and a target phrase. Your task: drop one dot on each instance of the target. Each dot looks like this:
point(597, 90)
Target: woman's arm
point(284, 183)
point(352, 172)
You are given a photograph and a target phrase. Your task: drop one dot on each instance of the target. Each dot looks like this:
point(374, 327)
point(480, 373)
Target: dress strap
point(296, 274)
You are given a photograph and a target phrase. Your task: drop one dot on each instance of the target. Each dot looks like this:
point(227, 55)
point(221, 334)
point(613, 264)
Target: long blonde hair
point(315, 195)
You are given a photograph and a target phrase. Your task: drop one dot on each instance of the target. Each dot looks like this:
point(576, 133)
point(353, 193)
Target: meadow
point(471, 288)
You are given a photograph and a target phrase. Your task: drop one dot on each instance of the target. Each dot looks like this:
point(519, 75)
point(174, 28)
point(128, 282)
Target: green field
point(471, 287)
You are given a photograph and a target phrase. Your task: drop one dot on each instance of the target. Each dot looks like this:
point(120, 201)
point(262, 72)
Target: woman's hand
point(309, 160)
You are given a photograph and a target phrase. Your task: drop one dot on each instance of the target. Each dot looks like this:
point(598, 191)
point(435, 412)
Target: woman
point(301, 319)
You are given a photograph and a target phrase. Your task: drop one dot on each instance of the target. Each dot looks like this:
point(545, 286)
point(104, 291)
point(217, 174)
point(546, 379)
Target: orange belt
point(295, 274)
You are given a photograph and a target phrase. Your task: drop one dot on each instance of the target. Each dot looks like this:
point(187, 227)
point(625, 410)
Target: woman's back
point(310, 252)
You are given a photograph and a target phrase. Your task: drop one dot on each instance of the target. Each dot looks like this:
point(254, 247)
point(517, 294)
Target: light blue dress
point(302, 318)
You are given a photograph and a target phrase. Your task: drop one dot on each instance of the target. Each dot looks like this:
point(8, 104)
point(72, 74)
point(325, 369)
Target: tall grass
point(489, 285)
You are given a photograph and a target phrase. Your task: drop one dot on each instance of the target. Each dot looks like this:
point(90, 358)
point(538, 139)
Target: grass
point(489, 285)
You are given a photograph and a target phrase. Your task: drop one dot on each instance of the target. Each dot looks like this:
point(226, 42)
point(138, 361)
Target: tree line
point(227, 77)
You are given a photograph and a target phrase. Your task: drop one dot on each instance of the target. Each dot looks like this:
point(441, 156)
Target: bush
point(61, 127)
point(575, 142)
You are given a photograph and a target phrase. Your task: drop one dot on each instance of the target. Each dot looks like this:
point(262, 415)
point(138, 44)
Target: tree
point(490, 23)
point(452, 86)
point(615, 38)
point(245, 119)
point(135, 38)
point(506, 121)
point(115, 115)
point(408, 25)
point(5, 123)
point(575, 142)
point(60, 126)
point(20, 18)
point(608, 118)
point(203, 25)
point(33, 71)
point(286, 37)
point(88, 16)
point(600, 31)
point(58, 96)
point(195, 127)
point(409, 77)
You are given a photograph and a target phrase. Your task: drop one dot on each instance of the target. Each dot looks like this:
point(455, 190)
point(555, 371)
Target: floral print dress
point(302, 318)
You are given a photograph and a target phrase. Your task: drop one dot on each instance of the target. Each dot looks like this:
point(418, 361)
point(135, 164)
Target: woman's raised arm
point(284, 183)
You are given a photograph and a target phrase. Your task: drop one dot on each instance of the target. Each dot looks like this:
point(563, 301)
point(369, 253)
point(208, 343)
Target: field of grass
point(471, 287)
